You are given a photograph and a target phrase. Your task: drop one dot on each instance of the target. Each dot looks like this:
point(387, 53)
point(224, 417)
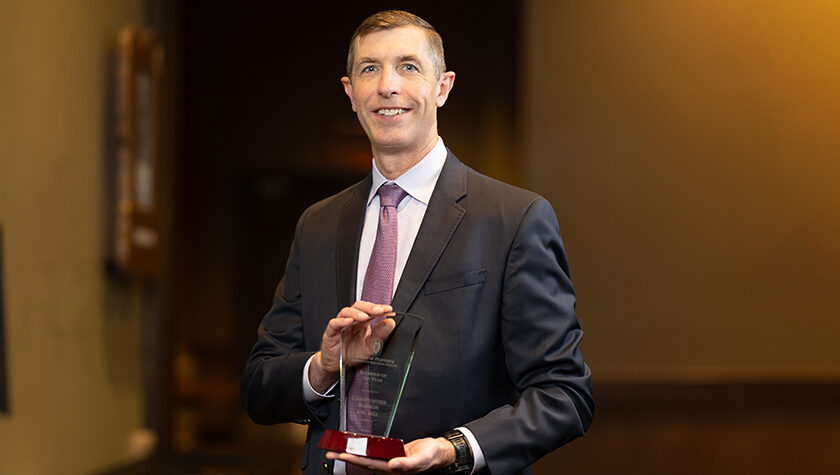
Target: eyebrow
point(410, 58)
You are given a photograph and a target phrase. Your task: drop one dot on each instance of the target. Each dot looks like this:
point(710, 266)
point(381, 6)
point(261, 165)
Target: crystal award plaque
point(370, 390)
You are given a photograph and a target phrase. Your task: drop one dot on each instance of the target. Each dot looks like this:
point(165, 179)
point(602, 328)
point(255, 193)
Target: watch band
point(463, 453)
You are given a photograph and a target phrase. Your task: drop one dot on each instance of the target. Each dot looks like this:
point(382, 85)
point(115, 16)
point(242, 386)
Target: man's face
point(395, 92)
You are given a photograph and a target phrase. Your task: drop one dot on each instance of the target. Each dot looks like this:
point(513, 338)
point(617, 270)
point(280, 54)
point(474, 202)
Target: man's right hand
point(324, 369)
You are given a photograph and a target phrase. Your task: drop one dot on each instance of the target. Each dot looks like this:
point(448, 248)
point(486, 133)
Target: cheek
point(363, 98)
point(432, 94)
point(354, 102)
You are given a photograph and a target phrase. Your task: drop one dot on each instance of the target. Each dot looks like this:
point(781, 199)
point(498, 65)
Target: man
point(497, 379)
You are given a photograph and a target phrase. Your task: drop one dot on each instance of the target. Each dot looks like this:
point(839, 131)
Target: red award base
point(384, 448)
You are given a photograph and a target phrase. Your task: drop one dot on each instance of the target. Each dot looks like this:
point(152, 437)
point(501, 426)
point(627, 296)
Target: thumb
point(384, 328)
point(379, 333)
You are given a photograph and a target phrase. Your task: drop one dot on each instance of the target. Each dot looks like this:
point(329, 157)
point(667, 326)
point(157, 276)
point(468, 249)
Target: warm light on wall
point(691, 152)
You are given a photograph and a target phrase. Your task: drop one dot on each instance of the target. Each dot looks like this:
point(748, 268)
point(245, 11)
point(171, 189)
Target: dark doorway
point(267, 131)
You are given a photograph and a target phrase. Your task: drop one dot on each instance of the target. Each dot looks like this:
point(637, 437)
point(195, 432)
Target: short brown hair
point(385, 20)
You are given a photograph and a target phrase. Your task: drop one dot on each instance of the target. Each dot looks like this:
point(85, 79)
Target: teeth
point(391, 111)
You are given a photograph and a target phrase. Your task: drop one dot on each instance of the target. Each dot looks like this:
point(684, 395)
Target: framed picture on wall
point(135, 246)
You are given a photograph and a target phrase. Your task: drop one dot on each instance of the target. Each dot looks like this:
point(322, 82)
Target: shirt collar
point(419, 181)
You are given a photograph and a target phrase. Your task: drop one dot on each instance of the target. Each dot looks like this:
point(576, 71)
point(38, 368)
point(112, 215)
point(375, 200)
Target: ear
point(445, 85)
point(348, 89)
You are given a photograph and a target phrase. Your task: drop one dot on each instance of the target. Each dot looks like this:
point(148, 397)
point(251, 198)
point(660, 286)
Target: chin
point(391, 143)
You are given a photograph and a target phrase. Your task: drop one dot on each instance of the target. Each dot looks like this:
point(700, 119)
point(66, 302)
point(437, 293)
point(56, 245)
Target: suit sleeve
point(271, 388)
point(540, 336)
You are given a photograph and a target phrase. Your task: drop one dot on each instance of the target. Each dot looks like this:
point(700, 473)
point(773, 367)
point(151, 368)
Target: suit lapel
point(349, 233)
point(439, 223)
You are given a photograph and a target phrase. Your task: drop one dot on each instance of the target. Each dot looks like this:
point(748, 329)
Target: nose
point(389, 83)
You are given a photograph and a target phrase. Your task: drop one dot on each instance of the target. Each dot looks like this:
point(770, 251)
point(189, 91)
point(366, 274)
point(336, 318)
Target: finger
point(373, 309)
point(399, 464)
point(356, 313)
point(340, 322)
point(409, 464)
point(335, 325)
point(372, 464)
point(347, 316)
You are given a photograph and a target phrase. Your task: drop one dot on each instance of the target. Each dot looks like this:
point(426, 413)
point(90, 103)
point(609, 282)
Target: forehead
point(394, 43)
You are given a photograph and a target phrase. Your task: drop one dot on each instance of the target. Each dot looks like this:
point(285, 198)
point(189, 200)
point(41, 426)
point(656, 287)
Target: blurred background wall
point(688, 149)
point(73, 340)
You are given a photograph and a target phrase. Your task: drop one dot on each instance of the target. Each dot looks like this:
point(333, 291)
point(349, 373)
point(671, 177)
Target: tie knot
point(390, 194)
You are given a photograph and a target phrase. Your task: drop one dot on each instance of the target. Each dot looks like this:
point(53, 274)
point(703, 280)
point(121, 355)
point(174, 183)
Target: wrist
point(319, 378)
point(447, 451)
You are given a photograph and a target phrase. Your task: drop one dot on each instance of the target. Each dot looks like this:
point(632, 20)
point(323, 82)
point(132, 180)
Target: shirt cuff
point(309, 393)
point(478, 456)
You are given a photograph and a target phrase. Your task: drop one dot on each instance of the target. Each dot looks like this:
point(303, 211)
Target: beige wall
point(691, 151)
point(73, 340)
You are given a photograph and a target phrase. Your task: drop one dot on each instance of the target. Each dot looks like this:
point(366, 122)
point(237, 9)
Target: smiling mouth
point(391, 112)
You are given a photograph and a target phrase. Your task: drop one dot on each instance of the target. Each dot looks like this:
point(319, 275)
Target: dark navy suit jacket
point(498, 351)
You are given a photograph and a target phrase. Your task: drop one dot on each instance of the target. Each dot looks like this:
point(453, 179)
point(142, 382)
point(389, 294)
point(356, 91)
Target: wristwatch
point(463, 453)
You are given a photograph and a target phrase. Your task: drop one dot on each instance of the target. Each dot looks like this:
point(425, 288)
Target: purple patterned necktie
point(378, 288)
point(379, 277)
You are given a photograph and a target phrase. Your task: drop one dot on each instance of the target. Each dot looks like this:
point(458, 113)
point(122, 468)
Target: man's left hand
point(420, 455)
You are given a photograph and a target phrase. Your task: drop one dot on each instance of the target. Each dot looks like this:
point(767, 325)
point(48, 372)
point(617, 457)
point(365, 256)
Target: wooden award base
point(384, 448)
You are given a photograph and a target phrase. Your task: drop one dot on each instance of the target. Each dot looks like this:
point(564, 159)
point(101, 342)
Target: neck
point(393, 164)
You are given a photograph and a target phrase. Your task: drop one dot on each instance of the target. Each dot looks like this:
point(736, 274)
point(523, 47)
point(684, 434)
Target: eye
point(410, 67)
point(369, 69)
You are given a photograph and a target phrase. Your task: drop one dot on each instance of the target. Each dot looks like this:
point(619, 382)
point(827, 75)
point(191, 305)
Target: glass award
point(370, 385)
